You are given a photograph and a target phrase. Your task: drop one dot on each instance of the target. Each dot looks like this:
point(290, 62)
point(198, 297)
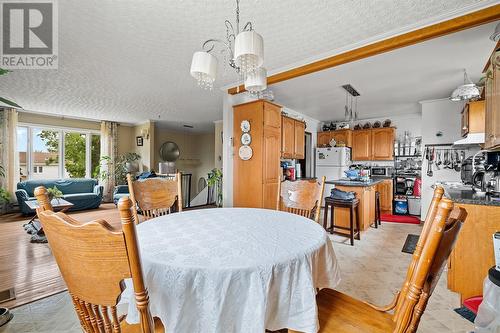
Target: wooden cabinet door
point(272, 115)
point(343, 136)
point(383, 144)
point(492, 109)
point(385, 190)
point(323, 138)
point(287, 137)
point(299, 142)
point(361, 145)
point(270, 167)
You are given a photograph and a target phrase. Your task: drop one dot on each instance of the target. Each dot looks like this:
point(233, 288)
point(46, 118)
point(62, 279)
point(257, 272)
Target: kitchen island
point(473, 254)
point(365, 192)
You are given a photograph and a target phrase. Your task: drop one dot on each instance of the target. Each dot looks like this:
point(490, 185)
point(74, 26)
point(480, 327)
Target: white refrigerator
point(331, 163)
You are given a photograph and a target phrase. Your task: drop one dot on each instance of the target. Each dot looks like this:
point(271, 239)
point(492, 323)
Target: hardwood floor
point(30, 268)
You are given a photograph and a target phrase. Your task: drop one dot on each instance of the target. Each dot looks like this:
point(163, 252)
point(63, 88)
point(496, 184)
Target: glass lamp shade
point(204, 69)
point(496, 34)
point(248, 51)
point(256, 80)
point(465, 92)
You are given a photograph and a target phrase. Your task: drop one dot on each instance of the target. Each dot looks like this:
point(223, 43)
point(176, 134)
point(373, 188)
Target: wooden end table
point(59, 205)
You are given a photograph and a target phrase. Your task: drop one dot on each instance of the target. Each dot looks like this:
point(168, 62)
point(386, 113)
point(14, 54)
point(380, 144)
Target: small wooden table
point(60, 205)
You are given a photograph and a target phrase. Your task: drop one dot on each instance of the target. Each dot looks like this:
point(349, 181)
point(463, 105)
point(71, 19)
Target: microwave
point(382, 171)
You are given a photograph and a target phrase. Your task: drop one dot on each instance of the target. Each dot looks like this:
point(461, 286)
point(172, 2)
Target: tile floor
point(371, 270)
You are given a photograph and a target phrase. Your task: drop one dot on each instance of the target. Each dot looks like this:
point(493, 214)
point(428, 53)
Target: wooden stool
point(353, 206)
point(377, 209)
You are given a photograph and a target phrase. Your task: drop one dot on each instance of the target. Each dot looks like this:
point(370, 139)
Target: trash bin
point(488, 314)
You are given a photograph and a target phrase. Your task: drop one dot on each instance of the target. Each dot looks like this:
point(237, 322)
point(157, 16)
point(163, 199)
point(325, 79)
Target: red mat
point(399, 218)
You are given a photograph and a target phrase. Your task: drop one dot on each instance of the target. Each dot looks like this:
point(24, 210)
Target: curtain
point(8, 150)
point(109, 149)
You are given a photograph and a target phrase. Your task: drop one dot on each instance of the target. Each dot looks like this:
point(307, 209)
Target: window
point(47, 153)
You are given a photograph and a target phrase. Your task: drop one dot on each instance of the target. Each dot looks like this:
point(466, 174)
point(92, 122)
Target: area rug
point(410, 244)
point(399, 218)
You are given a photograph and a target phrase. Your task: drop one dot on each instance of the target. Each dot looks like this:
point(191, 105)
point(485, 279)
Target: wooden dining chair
point(155, 196)
point(301, 197)
point(341, 313)
point(94, 259)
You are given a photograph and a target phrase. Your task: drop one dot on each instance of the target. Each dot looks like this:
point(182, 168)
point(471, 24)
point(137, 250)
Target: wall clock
point(245, 153)
point(245, 126)
point(246, 138)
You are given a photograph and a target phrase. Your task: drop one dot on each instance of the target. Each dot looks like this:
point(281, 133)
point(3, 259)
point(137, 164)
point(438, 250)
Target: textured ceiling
point(392, 83)
point(129, 60)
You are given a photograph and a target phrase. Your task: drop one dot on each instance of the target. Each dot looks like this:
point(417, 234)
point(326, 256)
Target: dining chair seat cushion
point(340, 313)
point(136, 328)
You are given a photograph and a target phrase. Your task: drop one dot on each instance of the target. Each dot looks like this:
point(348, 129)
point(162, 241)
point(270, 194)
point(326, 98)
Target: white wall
point(218, 144)
point(439, 116)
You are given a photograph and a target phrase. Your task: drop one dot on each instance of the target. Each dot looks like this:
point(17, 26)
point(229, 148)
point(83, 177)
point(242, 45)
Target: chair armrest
point(99, 189)
point(388, 307)
point(22, 195)
point(120, 189)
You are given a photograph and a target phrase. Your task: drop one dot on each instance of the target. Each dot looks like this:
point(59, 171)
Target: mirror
point(169, 151)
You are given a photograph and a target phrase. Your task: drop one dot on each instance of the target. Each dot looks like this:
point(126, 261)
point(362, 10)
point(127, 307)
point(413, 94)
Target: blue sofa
point(120, 192)
point(83, 193)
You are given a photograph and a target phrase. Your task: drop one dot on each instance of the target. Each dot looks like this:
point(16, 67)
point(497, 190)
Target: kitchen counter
point(470, 197)
point(355, 183)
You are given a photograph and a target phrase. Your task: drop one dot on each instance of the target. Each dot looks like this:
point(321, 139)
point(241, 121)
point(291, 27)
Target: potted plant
point(54, 193)
point(215, 181)
point(4, 194)
point(125, 163)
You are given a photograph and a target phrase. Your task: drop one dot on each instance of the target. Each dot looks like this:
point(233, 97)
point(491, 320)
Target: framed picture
point(139, 140)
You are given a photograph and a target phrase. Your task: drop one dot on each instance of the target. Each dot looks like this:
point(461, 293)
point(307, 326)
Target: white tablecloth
point(235, 270)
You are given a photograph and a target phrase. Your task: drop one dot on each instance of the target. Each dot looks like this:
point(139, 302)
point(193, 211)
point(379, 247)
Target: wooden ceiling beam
point(456, 24)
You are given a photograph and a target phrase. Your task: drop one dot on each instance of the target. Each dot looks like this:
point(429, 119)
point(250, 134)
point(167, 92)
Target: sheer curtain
point(109, 149)
point(8, 149)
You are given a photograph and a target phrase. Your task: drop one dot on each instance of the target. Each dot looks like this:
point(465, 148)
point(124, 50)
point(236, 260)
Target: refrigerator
point(331, 163)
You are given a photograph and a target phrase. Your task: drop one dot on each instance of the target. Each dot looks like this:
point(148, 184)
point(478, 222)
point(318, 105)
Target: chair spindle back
point(301, 197)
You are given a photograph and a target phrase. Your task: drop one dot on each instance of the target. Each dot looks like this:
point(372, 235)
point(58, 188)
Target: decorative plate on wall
point(246, 139)
point(245, 126)
point(245, 153)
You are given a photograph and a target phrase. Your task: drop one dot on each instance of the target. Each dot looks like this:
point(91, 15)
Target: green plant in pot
point(128, 162)
point(4, 194)
point(54, 193)
point(215, 181)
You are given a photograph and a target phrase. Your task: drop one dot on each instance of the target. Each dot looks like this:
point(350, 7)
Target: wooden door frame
point(436, 30)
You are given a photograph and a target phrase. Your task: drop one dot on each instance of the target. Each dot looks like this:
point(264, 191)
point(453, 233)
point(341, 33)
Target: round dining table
point(235, 270)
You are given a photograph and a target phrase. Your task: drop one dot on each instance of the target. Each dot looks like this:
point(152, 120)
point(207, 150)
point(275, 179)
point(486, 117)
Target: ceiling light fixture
point(466, 91)
point(245, 50)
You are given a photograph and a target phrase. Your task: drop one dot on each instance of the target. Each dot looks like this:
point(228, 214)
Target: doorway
point(306, 163)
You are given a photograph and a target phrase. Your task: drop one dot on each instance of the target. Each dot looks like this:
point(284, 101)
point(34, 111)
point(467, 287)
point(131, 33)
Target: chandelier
point(466, 91)
point(246, 55)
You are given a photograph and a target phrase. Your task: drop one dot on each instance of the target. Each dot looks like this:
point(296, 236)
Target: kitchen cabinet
point(292, 138)
point(287, 137)
point(255, 181)
point(473, 118)
point(492, 101)
point(385, 189)
point(383, 144)
point(375, 144)
point(361, 145)
point(300, 131)
point(340, 136)
point(473, 253)
point(366, 196)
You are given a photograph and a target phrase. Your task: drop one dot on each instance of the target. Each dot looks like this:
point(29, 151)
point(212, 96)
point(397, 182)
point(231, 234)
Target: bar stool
point(377, 209)
point(353, 206)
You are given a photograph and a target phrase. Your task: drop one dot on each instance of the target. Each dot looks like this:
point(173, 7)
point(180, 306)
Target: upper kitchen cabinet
point(287, 137)
point(299, 146)
point(292, 138)
point(323, 139)
point(383, 144)
point(492, 100)
point(342, 136)
point(375, 144)
point(473, 118)
point(361, 145)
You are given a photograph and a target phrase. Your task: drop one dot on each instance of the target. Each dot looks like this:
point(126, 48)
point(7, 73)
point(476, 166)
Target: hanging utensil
point(429, 163)
point(458, 165)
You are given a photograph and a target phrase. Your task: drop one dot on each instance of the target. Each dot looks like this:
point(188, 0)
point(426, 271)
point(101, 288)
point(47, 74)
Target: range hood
point(471, 139)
